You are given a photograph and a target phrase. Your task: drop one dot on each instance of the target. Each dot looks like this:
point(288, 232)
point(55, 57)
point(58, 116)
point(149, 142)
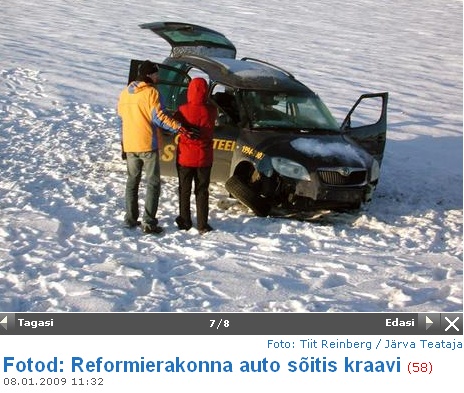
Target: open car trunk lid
point(186, 39)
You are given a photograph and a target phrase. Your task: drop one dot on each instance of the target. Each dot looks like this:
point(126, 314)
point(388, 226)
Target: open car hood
point(186, 39)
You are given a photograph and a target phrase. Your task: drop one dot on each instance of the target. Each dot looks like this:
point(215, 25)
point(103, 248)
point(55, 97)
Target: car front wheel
point(243, 193)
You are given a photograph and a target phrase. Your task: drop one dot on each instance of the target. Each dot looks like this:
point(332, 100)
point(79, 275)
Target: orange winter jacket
point(141, 111)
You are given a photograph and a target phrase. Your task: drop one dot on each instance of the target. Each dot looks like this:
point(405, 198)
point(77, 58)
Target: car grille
point(343, 176)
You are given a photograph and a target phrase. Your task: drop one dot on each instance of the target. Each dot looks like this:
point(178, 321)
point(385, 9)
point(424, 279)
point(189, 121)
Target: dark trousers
point(201, 178)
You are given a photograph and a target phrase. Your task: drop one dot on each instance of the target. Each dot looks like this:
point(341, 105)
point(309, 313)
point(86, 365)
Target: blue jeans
point(135, 163)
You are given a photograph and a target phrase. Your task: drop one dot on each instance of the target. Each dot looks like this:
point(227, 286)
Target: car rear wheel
point(242, 192)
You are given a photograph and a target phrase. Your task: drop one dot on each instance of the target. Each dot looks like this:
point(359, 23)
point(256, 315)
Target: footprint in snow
point(164, 266)
point(334, 280)
point(267, 283)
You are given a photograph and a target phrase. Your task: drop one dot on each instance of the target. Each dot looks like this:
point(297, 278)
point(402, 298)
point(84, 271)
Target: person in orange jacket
point(141, 110)
point(195, 156)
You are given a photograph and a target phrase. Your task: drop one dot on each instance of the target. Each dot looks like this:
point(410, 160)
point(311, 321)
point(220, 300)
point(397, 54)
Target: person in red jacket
point(195, 156)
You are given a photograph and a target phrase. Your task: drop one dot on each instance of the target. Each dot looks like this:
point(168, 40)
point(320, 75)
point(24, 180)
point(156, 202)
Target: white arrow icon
point(428, 322)
point(4, 323)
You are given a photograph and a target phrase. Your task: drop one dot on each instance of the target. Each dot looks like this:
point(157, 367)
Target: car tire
point(242, 192)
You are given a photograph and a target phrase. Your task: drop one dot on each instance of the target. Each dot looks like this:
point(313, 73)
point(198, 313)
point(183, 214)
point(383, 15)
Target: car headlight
point(290, 168)
point(375, 170)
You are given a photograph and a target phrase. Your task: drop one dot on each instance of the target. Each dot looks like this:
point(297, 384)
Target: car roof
point(246, 73)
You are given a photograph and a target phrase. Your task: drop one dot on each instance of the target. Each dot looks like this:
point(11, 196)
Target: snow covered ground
point(62, 248)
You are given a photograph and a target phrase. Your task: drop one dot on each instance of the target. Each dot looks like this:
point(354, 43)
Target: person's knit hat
point(146, 68)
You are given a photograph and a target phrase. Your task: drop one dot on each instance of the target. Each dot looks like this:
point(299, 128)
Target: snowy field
point(62, 248)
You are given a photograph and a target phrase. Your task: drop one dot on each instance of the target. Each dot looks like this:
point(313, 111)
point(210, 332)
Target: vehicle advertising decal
point(249, 151)
point(168, 151)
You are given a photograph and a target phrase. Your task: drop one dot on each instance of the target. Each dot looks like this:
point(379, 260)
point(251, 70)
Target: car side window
point(226, 103)
point(172, 86)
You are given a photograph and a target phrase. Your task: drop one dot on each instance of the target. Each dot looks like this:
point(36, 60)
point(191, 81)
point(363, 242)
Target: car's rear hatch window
point(186, 39)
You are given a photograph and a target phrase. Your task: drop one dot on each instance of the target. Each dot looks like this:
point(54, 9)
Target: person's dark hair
point(146, 68)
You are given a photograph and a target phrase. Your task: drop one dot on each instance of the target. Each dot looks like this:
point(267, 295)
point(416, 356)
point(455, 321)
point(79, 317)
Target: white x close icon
point(452, 324)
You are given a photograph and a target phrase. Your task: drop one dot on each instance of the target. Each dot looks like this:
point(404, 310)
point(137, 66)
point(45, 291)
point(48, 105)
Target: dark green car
point(277, 147)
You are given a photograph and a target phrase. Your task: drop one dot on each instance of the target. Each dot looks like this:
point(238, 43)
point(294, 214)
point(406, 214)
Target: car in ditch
point(277, 147)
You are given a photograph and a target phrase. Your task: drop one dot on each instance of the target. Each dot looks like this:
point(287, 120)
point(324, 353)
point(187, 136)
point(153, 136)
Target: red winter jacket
point(197, 113)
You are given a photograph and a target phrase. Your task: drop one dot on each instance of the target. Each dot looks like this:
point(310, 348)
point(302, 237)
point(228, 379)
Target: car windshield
point(267, 109)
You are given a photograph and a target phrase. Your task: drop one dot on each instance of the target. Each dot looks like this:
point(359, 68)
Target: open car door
point(188, 39)
point(366, 123)
point(172, 83)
